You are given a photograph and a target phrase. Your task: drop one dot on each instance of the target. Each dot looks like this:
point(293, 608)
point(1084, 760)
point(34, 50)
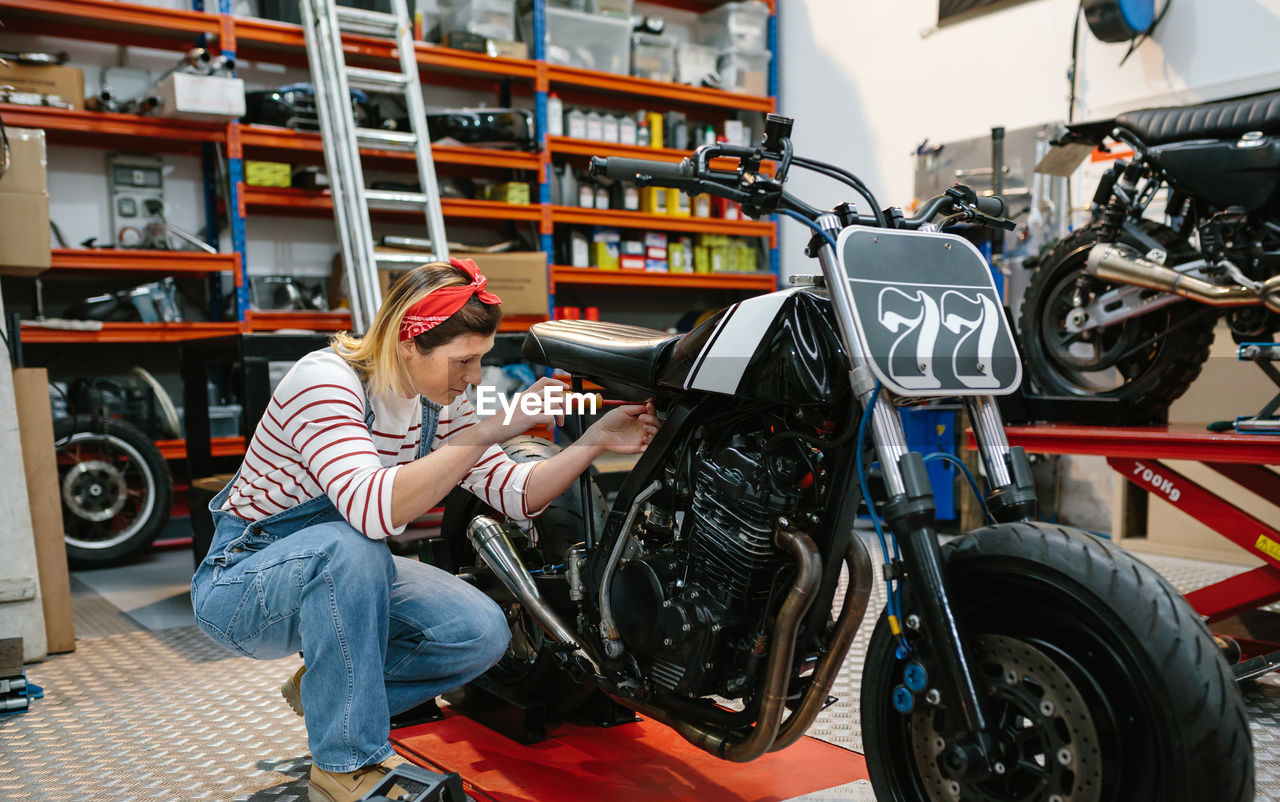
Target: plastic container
point(585, 41)
point(224, 420)
point(612, 8)
point(695, 62)
point(493, 19)
point(555, 115)
point(745, 71)
point(653, 57)
point(738, 26)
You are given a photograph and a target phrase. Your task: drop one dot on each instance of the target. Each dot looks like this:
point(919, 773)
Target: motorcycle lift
point(1136, 453)
point(637, 761)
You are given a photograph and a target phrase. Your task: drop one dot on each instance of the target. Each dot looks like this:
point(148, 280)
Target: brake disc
point(94, 490)
point(1043, 725)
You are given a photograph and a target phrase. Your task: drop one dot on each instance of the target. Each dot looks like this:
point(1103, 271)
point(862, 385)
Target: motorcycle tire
point(115, 486)
point(1146, 382)
point(530, 668)
point(1100, 681)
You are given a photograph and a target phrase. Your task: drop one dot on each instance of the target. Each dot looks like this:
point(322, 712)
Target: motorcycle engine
point(695, 608)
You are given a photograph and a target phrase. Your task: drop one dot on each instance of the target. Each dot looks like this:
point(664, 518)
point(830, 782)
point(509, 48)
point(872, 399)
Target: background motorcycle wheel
point(1096, 364)
point(1140, 704)
point(115, 486)
point(529, 667)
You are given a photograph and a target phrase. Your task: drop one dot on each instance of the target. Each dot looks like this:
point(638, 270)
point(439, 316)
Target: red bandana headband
point(439, 305)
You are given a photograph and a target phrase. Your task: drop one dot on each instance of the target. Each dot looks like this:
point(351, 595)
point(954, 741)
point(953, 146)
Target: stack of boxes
point(654, 252)
point(24, 203)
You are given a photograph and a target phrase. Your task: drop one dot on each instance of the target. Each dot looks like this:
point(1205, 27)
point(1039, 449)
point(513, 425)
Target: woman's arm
point(625, 430)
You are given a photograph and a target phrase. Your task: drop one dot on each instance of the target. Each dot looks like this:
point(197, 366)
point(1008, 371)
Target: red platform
point(1135, 453)
point(627, 763)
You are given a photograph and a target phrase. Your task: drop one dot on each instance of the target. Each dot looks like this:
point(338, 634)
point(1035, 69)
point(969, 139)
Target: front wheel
point(1100, 682)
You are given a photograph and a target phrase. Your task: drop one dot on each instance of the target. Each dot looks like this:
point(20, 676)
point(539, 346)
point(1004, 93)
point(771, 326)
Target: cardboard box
point(24, 233)
point(519, 279)
point(39, 461)
point(201, 97)
point(27, 162)
point(65, 82)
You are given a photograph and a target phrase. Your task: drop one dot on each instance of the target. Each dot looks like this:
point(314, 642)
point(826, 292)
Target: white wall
point(868, 81)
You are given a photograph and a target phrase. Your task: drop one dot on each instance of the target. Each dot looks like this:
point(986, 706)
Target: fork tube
point(1013, 491)
point(886, 427)
point(988, 430)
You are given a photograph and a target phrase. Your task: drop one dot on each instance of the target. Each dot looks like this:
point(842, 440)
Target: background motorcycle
point(1020, 662)
point(1106, 311)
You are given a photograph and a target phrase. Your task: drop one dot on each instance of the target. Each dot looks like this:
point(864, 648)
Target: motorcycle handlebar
point(686, 175)
point(628, 169)
point(992, 206)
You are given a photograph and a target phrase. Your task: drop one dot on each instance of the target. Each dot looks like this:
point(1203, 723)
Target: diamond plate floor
point(166, 714)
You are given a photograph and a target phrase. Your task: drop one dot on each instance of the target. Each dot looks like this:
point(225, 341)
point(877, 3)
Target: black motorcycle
point(1020, 661)
point(1105, 313)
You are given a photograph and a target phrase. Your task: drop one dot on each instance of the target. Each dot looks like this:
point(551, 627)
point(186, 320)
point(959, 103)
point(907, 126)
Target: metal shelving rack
point(265, 40)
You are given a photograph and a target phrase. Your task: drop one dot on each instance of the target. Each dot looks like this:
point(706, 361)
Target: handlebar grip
point(627, 169)
point(993, 206)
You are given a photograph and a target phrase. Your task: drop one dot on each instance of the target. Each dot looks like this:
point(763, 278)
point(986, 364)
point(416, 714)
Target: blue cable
point(810, 224)
point(973, 483)
point(894, 601)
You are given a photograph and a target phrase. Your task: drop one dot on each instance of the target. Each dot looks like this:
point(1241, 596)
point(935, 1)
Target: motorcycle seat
point(611, 354)
point(1222, 120)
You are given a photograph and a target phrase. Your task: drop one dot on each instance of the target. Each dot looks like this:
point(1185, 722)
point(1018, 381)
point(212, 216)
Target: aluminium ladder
point(323, 23)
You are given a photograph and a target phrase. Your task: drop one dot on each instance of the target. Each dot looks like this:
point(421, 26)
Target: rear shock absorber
point(1119, 198)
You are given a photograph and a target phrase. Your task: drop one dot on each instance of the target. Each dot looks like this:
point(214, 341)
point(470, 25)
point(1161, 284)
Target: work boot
point(330, 786)
point(291, 690)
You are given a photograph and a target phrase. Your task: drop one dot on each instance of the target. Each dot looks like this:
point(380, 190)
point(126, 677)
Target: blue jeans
point(380, 634)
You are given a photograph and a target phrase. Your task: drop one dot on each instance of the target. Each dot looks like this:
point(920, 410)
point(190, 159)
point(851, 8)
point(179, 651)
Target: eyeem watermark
point(550, 401)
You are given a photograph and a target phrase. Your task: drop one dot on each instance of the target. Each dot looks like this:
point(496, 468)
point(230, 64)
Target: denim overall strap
point(430, 422)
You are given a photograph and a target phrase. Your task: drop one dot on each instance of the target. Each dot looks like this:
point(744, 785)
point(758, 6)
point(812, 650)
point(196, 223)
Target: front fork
point(909, 511)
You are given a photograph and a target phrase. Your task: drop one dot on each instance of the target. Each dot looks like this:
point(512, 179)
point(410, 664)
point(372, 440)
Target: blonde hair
point(376, 356)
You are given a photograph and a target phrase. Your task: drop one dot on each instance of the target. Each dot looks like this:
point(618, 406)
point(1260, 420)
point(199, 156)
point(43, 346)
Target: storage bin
point(224, 420)
point(745, 71)
point(653, 57)
point(612, 8)
point(585, 41)
point(737, 26)
point(492, 19)
point(695, 62)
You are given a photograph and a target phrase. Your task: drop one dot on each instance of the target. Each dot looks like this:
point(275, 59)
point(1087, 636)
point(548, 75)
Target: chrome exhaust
point(746, 744)
point(1116, 263)
point(492, 544)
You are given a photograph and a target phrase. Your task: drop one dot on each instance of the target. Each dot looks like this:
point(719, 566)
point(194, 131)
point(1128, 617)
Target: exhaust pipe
point(492, 544)
point(858, 561)
point(742, 746)
point(1116, 263)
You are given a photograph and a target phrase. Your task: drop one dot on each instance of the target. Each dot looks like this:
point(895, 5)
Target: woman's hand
point(518, 417)
point(625, 430)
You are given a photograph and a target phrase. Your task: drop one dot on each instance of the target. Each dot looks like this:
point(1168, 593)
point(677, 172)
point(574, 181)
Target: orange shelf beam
point(308, 202)
point(258, 37)
point(105, 129)
point(258, 320)
point(219, 446)
point(762, 282)
point(563, 145)
point(270, 140)
point(519, 322)
point(109, 21)
point(608, 83)
point(129, 333)
point(133, 261)
point(662, 222)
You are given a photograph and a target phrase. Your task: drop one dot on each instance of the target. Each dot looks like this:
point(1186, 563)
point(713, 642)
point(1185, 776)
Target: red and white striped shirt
point(313, 440)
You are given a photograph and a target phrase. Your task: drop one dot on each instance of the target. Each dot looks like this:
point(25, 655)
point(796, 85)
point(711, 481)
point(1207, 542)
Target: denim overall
point(381, 634)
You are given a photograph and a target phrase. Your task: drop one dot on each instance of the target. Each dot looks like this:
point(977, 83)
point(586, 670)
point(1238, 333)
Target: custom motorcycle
point(1125, 308)
point(1020, 661)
